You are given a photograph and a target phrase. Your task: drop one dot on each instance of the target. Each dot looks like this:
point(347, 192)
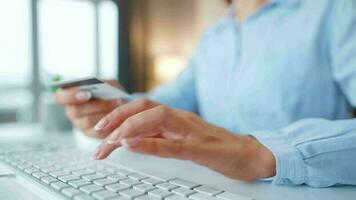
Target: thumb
point(158, 147)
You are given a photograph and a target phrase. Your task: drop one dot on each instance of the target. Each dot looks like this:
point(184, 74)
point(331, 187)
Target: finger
point(107, 147)
point(114, 83)
point(140, 123)
point(92, 107)
point(120, 114)
point(92, 133)
point(145, 124)
point(71, 96)
point(159, 147)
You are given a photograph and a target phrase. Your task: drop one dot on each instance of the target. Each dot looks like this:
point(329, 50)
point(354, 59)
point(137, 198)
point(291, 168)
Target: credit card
point(98, 88)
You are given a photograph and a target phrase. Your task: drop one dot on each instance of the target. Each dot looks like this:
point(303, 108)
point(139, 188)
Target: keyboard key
point(137, 176)
point(232, 196)
point(208, 190)
point(64, 164)
point(176, 197)
point(121, 198)
point(198, 196)
point(68, 178)
point(91, 188)
point(59, 185)
point(70, 192)
point(92, 177)
point(96, 167)
point(79, 183)
point(131, 193)
point(48, 179)
point(117, 187)
point(103, 182)
point(129, 182)
point(73, 168)
point(146, 197)
point(123, 172)
point(166, 186)
point(24, 166)
point(58, 173)
point(184, 183)
point(83, 172)
point(42, 165)
point(183, 191)
point(117, 177)
point(105, 194)
point(159, 193)
point(16, 162)
point(152, 181)
point(39, 175)
point(50, 169)
point(31, 170)
point(105, 172)
point(144, 187)
point(83, 197)
point(110, 169)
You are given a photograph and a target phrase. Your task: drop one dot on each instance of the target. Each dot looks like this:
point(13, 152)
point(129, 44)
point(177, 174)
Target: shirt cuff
point(290, 166)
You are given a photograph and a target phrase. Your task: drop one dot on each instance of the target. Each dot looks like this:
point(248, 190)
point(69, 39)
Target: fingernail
point(110, 142)
point(130, 143)
point(99, 156)
point(96, 153)
point(101, 124)
point(115, 136)
point(83, 95)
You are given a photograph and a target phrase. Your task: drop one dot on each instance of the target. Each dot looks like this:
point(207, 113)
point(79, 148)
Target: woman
point(267, 94)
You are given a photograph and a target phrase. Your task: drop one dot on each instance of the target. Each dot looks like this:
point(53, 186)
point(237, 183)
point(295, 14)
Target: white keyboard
point(75, 176)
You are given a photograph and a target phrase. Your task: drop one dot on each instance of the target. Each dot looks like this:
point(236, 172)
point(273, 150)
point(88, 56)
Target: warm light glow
point(168, 66)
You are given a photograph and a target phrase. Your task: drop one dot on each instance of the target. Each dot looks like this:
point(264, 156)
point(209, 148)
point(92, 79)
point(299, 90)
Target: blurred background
point(141, 43)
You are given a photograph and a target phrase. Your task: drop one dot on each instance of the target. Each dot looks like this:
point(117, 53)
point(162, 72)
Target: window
point(14, 59)
point(66, 37)
point(108, 36)
point(74, 38)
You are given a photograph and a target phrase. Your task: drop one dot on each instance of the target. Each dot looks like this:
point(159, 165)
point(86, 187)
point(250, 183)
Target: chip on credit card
point(98, 88)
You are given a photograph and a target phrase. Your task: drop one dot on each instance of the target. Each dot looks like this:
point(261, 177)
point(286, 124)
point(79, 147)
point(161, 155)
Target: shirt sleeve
point(181, 92)
point(316, 152)
point(319, 152)
point(342, 36)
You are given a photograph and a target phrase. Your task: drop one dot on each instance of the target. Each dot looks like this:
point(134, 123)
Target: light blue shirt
point(286, 76)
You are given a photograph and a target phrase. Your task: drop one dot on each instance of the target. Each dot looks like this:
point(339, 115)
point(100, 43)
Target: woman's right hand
point(84, 111)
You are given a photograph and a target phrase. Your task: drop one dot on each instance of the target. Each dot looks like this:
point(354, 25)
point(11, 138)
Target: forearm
point(263, 163)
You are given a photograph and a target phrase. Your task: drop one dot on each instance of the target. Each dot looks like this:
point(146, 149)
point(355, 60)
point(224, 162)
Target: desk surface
point(168, 168)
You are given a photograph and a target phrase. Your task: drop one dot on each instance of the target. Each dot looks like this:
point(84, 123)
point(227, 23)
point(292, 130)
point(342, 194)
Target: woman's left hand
point(147, 127)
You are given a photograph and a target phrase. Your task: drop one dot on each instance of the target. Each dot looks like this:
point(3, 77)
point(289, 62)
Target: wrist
point(263, 163)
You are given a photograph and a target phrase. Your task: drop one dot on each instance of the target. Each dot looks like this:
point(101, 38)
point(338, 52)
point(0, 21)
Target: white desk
point(174, 168)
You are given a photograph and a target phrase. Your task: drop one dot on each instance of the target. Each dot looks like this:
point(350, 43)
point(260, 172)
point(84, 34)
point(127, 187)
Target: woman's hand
point(84, 111)
point(147, 127)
